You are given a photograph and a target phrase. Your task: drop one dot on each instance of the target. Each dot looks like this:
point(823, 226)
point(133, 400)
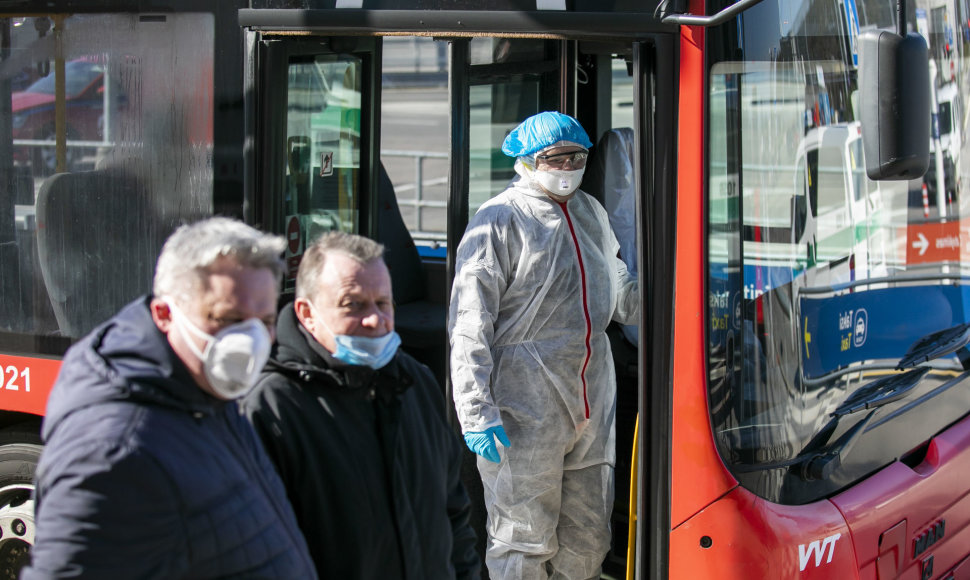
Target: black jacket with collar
point(369, 462)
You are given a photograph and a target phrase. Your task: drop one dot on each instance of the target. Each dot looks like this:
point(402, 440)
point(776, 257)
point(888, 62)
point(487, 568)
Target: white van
point(949, 121)
point(844, 207)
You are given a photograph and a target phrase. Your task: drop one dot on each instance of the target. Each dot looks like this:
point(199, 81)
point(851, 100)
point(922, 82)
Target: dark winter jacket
point(368, 460)
point(146, 476)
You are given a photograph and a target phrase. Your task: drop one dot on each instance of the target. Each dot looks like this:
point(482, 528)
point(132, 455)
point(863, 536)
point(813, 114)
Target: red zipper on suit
point(589, 324)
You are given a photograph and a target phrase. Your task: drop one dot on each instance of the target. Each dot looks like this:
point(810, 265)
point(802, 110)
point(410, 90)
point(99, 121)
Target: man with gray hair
point(357, 428)
point(149, 470)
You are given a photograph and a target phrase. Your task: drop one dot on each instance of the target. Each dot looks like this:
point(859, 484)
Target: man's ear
point(161, 314)
point(304, 313)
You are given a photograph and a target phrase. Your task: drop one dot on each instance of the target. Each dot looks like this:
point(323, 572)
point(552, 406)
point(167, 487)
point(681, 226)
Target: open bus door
point(496, 78)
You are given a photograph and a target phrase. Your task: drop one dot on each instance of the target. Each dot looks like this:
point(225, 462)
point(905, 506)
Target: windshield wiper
point(820, 457)
point(820, 464)
point(937, 345)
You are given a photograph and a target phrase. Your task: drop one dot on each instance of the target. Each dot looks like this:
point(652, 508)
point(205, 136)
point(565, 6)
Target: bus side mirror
point(894, 94)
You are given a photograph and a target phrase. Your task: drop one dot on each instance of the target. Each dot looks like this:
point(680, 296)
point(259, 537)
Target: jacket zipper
point(589, 324)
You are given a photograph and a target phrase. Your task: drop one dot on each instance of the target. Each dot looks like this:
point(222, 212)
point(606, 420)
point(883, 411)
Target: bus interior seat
point(421, 323)
point(24, 306)
point(94, 244)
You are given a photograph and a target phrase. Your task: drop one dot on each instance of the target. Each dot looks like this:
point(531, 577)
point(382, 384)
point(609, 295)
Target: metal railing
point(417, 201)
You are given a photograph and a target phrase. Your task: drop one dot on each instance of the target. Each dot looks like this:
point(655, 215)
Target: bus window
point(316, 140)
point(323, 142)
point(415, 135)
point(110, 138)
point(833, 224)
point(621, 73)
point(502, 94)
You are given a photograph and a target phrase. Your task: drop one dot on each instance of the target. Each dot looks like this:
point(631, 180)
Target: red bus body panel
point(902, 522)
point(25, 383)
point(895, 516)
point(698, 476)
point(743, 536)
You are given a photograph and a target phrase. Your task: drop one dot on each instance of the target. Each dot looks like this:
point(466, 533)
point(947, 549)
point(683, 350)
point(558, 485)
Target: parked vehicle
point(35, 114)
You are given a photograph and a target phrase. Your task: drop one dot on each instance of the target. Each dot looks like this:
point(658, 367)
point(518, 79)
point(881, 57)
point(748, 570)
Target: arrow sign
point(921, 244)
point(933, 243)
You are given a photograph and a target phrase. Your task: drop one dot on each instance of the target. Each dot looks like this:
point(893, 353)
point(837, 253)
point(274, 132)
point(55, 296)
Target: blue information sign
point(874, 324)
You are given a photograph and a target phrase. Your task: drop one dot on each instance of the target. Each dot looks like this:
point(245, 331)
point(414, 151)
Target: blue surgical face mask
point(363, 350)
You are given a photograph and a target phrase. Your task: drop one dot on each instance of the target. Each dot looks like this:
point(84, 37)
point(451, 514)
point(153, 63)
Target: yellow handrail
point(631, 535)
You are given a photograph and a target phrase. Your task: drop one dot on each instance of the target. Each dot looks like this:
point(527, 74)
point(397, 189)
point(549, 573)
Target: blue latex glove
point(483, 443)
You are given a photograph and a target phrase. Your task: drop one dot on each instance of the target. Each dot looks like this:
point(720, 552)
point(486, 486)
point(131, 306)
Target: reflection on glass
point(490, 170)
point(501, 50)
point(323, 143)
point(129, 161)
point(621, 110)
point(812, 265)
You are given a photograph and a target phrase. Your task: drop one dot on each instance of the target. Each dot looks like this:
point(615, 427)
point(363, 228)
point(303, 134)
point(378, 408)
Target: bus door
point(322, 162)
point(610, 87)
point(316, 107)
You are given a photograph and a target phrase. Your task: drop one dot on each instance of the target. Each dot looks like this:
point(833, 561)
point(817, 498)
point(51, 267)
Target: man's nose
point(374, 319)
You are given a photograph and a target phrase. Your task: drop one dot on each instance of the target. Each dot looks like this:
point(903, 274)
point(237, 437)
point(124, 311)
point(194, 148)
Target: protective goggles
point(558, 160)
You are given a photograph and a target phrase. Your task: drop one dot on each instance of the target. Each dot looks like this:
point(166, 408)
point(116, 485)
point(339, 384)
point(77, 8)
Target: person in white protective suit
point(537, 282)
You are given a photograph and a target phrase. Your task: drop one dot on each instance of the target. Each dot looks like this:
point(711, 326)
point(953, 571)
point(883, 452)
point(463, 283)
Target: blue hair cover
point(542, 130)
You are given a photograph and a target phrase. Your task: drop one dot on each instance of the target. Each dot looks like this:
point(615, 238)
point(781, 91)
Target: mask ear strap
point(184, 324)
point(319, 318)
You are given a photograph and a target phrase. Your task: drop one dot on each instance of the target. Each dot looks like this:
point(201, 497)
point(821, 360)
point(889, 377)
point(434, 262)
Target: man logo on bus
point(861, 327)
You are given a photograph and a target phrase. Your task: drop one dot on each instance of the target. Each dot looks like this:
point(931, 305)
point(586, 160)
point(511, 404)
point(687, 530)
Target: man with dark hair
point(357, 427)
point(149, 471)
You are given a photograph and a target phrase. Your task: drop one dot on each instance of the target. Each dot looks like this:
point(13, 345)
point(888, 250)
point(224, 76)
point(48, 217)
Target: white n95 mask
point(233, 357)
point(559, 182)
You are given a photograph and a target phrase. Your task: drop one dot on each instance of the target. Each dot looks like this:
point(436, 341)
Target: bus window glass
point(415, 134)
point(502, 50)
point(945, 119)
point(490, 170)
point(621, 113)
point(861, 185)
point(806, 291)
point(108, 147)
point(834, 231)
point(323, 142)
point(501, 95)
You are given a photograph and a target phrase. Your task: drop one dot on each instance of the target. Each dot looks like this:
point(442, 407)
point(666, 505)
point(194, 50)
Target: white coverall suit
point(537, 282)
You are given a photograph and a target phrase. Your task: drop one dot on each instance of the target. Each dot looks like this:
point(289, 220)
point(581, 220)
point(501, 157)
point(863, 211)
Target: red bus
point(794, 402)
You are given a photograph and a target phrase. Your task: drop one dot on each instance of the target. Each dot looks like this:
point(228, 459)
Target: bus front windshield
point(821, 280)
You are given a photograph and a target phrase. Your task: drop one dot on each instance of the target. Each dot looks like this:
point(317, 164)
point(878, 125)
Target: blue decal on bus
point(841, 330)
